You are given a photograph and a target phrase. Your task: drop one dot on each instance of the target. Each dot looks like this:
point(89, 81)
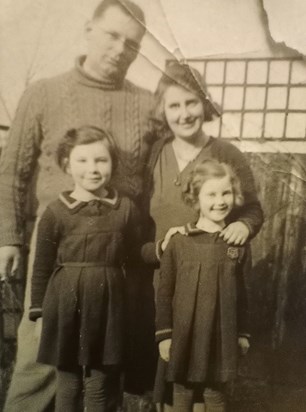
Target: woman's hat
point(181, 74)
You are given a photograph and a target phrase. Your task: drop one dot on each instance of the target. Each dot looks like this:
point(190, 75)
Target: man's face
point(113, 44)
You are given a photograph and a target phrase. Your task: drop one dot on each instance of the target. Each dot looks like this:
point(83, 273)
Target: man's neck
point(89, 76)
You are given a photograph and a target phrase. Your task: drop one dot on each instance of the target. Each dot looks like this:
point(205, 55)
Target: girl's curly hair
point(210, 169)
point(81, 136)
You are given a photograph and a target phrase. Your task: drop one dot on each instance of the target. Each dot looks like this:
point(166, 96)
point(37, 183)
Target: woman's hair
point(182, 75)
point(81, 136)
point(206, 170)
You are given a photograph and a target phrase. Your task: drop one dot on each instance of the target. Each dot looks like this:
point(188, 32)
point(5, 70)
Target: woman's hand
point(172, 231)
point(235, 233)
point(164, 349)
point(38, 328)
point(244, 344)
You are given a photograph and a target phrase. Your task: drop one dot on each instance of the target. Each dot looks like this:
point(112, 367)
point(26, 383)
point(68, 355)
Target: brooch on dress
point(233, 252)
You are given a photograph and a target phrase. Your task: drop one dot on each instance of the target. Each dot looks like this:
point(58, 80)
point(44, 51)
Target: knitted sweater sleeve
point(165, 293)
point(18, 163)
point(250, 213)
point(48, 234)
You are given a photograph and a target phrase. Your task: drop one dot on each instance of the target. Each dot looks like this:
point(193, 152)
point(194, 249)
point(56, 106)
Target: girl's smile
point(90, 166)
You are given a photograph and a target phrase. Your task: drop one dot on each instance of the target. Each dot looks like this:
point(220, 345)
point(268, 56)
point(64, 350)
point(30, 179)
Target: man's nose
point(119, 46)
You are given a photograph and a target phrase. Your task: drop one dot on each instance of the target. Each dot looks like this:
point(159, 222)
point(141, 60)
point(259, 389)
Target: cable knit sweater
point(46, 111)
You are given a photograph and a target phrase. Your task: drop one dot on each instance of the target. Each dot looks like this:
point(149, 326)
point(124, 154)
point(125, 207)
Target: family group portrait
point(152, 206)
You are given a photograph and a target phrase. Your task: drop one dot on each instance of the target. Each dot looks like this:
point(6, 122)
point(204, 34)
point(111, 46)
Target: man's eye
point(113, 35)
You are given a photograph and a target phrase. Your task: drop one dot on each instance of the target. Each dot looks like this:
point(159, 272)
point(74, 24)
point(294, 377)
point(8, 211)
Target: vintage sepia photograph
point(152, 206)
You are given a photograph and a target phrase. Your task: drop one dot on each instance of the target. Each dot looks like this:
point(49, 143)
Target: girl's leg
point(102, 389)
point(163, 407)
point(182, 398)
point(199, 407)
point(68, 391)
point(214, 399)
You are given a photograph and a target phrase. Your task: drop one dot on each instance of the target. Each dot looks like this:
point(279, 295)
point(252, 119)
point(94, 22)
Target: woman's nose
point(92, 166)
point(184, 112)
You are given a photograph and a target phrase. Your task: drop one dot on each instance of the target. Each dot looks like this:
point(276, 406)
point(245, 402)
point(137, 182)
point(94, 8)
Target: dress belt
point(87, 264)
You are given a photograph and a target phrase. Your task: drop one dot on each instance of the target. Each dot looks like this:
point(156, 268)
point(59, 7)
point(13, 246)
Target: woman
point(182, 107)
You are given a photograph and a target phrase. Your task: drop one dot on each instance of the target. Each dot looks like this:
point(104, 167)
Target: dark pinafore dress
point(83, 305)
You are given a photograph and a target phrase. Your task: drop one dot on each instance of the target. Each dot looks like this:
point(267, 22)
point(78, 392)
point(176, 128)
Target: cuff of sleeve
point(35, 313)
point(245, 222)
point(158, 249)
point(8, 238)
point(163, 334)
point(245, 335)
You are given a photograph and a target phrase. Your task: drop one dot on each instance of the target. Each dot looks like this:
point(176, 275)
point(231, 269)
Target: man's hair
point(206, 170)
point(82, 136)
point(127, 6)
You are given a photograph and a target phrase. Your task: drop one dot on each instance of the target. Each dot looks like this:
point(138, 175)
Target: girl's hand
point(235, 233)
point(244, 344)
point(172, 231)
point(38, 328)
point(164, 349)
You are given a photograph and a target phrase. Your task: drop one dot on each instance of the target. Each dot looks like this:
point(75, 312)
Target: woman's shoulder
point(223, 147)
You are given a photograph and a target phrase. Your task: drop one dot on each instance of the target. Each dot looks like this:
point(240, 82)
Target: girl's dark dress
point(78, 280)
point(202, 306)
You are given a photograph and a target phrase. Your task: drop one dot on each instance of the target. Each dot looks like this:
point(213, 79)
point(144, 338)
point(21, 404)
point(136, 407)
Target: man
point(94, 93)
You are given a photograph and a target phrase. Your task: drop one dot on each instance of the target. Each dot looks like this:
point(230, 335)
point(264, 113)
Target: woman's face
point(184, 112)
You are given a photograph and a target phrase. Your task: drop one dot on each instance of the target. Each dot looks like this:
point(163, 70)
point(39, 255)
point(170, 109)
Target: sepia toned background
point(251, 55)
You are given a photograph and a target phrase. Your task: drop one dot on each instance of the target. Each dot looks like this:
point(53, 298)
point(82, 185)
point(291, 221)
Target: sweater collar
point(74, 205)
point(84, 78)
